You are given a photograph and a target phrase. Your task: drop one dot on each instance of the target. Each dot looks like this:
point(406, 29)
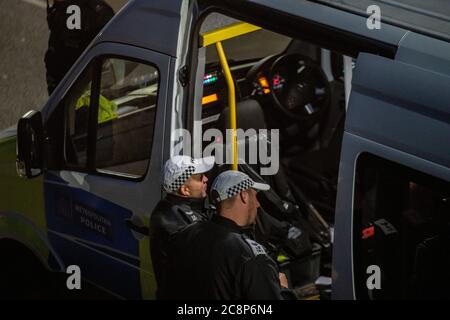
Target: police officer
point(67, 42)
point(215, 259)
point(185, 182)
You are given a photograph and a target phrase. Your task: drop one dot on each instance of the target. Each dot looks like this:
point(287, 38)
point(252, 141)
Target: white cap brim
point(261, 186)
point(203, 165)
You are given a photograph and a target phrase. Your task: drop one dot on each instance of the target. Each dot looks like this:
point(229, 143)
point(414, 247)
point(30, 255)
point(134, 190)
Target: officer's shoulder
point(182, 208)
point(167, 204)
point(254, 246)
point(240, 242)
point(161, 209)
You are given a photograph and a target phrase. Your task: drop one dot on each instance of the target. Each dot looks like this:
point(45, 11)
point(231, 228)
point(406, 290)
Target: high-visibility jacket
point(107, 109)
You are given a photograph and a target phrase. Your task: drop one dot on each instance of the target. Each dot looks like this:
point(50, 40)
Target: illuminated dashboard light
point(264, 84)
point(263, 81)
point(209, 99)
point(209, 79)
point(368, 232)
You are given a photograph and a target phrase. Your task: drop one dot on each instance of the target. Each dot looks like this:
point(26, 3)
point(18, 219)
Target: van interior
point(299, 89)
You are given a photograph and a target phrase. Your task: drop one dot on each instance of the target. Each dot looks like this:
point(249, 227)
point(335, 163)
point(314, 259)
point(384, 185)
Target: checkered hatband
point(182, 178)
point(243, 185)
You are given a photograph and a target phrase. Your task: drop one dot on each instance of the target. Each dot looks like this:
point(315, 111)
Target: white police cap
point(231, 182)
point(178, 169)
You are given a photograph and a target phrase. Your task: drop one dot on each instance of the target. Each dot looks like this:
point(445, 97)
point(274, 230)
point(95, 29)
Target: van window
point(401, 225)
point(127, 109)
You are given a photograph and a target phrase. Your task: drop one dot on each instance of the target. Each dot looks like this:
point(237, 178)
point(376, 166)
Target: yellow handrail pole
point(215, 37)
point(231, 101)
point(225, 33)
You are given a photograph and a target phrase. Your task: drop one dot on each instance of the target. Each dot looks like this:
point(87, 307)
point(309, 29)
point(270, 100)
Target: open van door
point(391, 233)
point(105, 139)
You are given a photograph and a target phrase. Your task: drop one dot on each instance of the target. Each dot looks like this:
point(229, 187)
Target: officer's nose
point(205, 178)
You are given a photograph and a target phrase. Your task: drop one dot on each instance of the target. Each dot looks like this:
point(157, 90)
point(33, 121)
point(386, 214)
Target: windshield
point(430, 17)
point(244, 47)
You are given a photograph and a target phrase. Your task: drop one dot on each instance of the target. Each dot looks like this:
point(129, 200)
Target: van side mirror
point(29, 145)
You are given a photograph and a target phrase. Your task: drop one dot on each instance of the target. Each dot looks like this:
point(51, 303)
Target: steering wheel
point(299, 87)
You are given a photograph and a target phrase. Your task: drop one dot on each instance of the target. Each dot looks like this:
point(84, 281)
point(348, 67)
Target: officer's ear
point(244, 196)
point(184, 191)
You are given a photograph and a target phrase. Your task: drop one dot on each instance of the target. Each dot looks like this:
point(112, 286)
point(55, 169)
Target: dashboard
point(215, 95)
point(292, 86)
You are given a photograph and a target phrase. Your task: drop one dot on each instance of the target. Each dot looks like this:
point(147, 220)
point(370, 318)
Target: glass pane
point(127, 109)
point(257, 44)
point(252, 45)
point(401, 225)
point(77, 118)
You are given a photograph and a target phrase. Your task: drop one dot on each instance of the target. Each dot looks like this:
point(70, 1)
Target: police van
point(358, 109)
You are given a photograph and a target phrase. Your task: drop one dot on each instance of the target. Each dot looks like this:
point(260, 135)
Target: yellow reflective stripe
point(22, 196)
point(231, 101)
point(148, 281)
point(227, 32)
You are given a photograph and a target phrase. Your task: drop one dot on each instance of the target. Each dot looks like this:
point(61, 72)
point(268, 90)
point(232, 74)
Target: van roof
point(426, 17)
point(150, 23)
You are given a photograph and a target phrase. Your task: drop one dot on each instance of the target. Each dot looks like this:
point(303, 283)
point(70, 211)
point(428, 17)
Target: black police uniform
point(64, 45)
point(216, 260)
point(170, 215)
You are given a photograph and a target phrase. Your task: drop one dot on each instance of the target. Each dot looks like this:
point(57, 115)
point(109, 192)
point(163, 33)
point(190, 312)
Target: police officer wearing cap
point(185, 183)
point(66, 44)
point(215, 259)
